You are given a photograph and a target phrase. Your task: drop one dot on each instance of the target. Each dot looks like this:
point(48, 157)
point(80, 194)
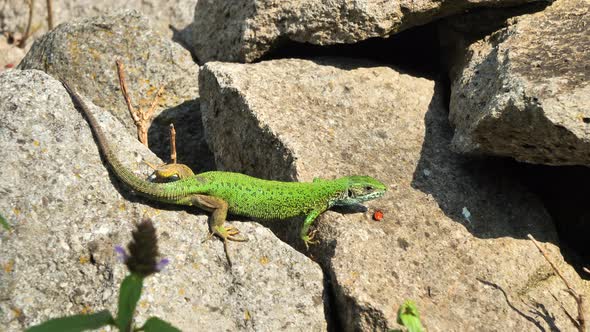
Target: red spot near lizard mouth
point(378, 215)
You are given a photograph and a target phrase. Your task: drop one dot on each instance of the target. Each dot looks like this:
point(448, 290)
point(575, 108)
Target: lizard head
point(360, 189)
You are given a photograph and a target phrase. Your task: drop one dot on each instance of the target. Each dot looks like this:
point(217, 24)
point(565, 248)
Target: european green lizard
point(222, 192)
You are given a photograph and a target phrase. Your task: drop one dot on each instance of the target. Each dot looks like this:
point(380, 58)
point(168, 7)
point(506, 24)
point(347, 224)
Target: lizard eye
point(368, 188)
point(350, 193)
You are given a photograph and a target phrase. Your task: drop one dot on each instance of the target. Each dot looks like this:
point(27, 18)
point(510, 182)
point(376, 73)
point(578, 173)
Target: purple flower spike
point(121, 254)
point(162, 264)
point(142, 259)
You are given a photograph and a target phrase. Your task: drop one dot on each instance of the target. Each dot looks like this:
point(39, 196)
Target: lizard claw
point(308, 239)
point(231, 230)
point(237, 239)
point(152, 166)
point(226, 233)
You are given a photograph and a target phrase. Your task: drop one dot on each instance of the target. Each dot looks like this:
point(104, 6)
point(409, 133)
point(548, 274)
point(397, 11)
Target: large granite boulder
point(246, 30)
point(85, 52)
point(524, 90)
point(68, 212)
point(163, 14)
point(453, 238)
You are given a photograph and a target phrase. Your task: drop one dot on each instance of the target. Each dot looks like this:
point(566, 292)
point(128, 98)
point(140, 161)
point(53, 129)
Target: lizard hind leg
point(218, 207)
point(169, 172)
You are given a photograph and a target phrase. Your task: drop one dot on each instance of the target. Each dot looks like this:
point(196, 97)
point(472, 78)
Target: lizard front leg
point(308, 239)
point(218, 207)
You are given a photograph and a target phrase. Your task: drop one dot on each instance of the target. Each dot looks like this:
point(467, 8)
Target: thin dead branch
point(141, 118)
point(581, 321)
point(50, 14)
point(121, 74)
point(172, 144)
point(27, 32)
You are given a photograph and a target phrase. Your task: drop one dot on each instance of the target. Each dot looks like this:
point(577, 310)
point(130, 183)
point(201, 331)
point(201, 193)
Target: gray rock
point(244, 31)
point(85, 52)
point(454, 234)
point(68, 213)
point(523, 91)
point(14, 13)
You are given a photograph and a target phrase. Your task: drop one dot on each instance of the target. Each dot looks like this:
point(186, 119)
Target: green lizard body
point(222, 192)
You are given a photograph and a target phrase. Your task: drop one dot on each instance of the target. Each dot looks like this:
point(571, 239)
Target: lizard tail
point(136, 183)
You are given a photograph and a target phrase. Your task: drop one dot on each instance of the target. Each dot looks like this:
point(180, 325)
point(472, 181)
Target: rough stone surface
point(14, 13)
point(245, 30)
point(68, 213)
point(85, 51)
point(524, 90)
point(454, 234)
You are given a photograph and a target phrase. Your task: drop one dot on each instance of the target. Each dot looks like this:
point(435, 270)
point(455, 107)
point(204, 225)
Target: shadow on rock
point(564, 190)
point(484, 195)
point(191, 147)
point(542, 313)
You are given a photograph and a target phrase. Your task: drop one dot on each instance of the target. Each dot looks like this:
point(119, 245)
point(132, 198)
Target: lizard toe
point(237, 239)
point(231, 230)
point(308, 239)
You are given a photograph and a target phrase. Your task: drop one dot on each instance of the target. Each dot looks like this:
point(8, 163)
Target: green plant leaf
point(155, 324)
point(4, 223)
point(129, 294)
point(409, 317)
point(75, 323)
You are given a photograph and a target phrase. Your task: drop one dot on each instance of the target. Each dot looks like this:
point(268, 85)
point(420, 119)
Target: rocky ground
point(469, 149)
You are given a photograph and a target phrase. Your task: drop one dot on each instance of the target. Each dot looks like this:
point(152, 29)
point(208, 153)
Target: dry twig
point(27, 33)
point(172, 144)
point(50, 14)
point(141, 118)
point(581, 321)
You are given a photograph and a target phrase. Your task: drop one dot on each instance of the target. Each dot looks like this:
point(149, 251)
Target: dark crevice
point(414, 51)
point(92, 259)
point(565, 192)
point(325, 252)
point(330, 306)
point(192, 149)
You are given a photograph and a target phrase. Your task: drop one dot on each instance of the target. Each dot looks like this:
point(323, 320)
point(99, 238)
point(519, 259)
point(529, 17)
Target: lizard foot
point(231, 230)
point(308, 239)
point(226, 233)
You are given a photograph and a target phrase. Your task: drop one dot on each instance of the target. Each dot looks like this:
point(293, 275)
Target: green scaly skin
point(222, 192)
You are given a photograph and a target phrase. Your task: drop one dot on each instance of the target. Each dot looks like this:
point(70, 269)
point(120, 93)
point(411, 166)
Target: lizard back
point(266, 199)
